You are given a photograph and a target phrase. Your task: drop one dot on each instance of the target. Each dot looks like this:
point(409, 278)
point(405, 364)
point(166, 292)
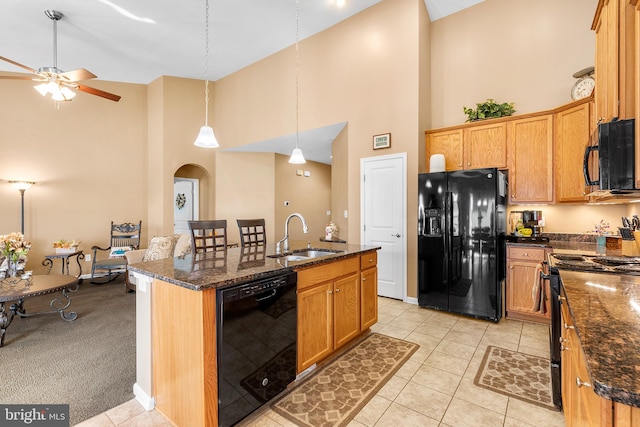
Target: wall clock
point(585, 84)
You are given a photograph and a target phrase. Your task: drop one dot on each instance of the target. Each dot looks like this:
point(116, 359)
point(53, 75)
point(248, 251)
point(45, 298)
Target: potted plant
point(488, 110)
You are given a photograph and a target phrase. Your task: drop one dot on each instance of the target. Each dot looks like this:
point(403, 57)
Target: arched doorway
point(190, 183)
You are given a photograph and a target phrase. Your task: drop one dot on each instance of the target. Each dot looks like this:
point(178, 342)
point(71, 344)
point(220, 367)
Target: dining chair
point(252, 232)
point(208, 235)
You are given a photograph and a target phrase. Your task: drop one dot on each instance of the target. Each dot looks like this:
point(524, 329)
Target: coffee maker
point(533, 220)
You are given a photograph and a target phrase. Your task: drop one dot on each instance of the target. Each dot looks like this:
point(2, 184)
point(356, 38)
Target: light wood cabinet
point(479, 146)
point(581, 405)
point(573, 129)
point(531, 160)
point(448, 143)
point(522, 262)
point(485, 146)
point(368, 290)
point(336, 303)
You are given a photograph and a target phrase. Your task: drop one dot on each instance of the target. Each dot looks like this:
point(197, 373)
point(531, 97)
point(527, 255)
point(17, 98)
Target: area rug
point(332, 396)
point(518, 375)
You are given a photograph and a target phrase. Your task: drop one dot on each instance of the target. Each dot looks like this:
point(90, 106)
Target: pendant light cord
point(297, 68)
point(206, 64)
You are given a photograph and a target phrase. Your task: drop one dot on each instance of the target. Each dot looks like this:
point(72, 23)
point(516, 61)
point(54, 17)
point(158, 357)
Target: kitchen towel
point(538, 294)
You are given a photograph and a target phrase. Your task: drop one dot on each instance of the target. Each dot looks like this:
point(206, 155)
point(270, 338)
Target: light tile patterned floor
point(434, 388)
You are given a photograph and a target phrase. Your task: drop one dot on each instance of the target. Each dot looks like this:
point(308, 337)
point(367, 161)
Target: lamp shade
point(206, 138)
point(296, 157)
point(21, 185)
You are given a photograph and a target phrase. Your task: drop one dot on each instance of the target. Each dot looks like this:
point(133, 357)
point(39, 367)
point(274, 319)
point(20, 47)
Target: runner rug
point(332, 396)
point(518, 375)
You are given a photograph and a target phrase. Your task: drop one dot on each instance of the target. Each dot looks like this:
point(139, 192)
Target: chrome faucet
point(285, 239)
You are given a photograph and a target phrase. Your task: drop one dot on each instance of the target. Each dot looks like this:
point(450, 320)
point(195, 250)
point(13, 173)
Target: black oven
point(555, 326)
point(256, 344)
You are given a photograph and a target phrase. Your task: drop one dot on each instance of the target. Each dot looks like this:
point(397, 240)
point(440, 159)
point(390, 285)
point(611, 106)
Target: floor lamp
point(21, 186)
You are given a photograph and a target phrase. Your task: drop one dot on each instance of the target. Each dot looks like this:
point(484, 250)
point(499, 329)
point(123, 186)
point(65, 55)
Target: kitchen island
point(600, 348)
point(176, 317)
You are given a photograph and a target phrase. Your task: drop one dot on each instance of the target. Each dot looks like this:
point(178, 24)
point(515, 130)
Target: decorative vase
point(12, 268)
point(601, 241)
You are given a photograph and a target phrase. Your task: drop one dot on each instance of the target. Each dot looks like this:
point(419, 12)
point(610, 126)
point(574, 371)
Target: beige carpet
point(338, 391)
point(89, 363)
point(517, 375)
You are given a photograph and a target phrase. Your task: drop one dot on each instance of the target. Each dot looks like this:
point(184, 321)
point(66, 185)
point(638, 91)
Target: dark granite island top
point(211, 270)
point(606, 313)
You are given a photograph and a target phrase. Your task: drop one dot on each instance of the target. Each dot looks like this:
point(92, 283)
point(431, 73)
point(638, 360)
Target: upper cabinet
point(531, 160)
point(573, 129)
point(470, 147)
point(617, 63)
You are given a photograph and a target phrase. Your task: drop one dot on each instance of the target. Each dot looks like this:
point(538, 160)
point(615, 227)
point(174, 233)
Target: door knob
point(395, 235)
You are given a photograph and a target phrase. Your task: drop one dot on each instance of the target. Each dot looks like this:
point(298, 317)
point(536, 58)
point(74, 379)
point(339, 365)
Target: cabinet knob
point(337, 290)
point(468, 164)
point(561, 298)
point(370, 259)
point(581, 383)
point(563, 348)
point(563, 340)
point(364, 279)
point(568, 326)
point(330, 292)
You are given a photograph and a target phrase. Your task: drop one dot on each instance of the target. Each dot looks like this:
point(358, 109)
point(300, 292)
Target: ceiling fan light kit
point(55, 82)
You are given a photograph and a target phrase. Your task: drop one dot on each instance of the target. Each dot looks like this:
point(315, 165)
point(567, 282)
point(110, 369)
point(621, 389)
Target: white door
point(383, 210)
point(185, 204)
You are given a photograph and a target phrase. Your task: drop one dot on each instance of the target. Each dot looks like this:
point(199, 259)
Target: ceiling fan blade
point(18, 64)
point(17, 78)
point(98, 92)
point(77, 75)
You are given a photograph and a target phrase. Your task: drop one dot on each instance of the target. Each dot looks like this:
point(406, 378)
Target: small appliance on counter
point(526, 226)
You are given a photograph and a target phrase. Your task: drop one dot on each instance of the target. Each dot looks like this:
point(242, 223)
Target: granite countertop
point(213, 270)
point(606, 312)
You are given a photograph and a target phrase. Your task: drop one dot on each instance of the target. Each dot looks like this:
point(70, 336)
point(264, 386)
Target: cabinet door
point(572, 129)
point(368, 298)
point(315, 324)
point(607, 61)
point(486, 146)
point(519, 286)
point(531, 160)
point(448, 143)
point(346, 309)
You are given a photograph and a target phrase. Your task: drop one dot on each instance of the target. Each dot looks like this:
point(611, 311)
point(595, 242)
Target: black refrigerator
point(461, 241)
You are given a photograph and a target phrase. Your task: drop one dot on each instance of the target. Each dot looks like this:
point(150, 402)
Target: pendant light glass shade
point(58, 92)
point(206, 138)
point(296, 157)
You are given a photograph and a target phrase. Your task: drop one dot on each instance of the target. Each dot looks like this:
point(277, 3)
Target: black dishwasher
point(256, 344)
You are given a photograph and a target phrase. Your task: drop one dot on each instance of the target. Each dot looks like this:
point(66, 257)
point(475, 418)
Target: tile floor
point(434, 388)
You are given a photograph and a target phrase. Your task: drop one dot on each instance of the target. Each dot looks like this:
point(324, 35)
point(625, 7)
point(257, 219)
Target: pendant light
point(206, 138)
point(296, 155)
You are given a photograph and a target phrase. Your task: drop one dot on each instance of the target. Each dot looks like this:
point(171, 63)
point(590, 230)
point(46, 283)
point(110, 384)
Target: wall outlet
point(87, 258)
point(307, 173)
point(346, 213)
point(299, 172)
point(328, 213)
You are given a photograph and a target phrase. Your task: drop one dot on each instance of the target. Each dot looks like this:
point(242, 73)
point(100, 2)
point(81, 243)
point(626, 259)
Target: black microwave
point(616, 156)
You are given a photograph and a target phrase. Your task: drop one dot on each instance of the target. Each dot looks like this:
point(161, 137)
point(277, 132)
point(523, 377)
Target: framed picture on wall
point(381, 141)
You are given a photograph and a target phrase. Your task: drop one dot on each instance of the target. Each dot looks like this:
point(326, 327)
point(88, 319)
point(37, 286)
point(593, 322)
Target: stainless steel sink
point(304, 254)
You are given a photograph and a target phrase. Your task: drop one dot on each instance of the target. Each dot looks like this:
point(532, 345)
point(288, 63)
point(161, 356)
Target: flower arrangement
point(601, 228)
point(65, 244)
point(13, 246)
point(331, 230)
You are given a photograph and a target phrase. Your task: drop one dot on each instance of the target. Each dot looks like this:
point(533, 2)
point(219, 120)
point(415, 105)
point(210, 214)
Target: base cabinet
point(522, 263)
point(336, 303)
point(582, 406)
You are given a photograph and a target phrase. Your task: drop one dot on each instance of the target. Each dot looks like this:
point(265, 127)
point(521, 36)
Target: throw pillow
point(161, 247)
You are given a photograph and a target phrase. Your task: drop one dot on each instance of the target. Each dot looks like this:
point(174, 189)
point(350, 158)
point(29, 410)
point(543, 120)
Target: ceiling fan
point(55, 81)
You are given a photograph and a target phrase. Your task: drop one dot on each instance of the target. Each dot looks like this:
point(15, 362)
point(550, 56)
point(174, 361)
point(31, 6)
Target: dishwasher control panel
point(255, 288)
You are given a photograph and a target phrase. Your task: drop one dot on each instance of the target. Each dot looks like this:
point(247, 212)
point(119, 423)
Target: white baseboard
point(147, 402)
point(411, 300)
